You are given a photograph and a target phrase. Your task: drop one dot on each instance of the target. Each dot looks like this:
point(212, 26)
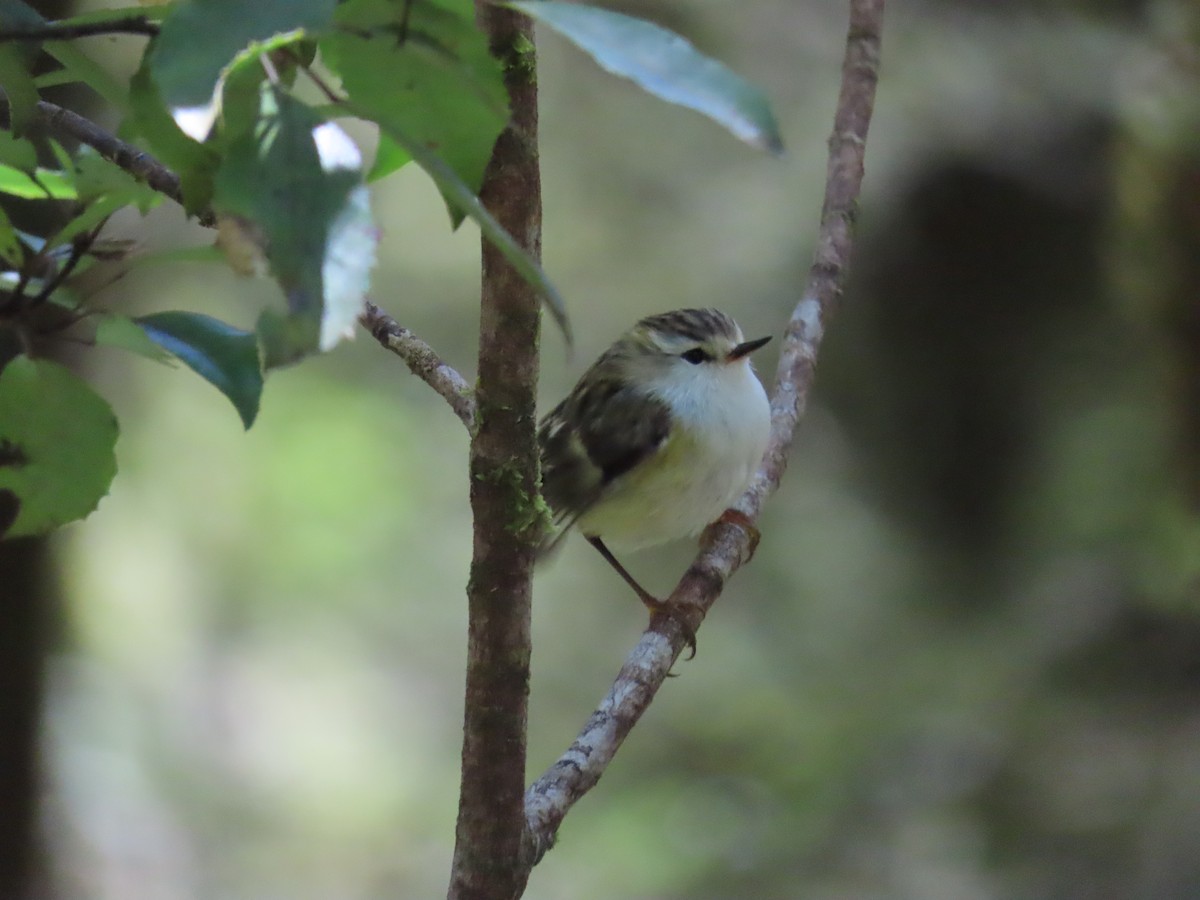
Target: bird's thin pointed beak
point(746, 348)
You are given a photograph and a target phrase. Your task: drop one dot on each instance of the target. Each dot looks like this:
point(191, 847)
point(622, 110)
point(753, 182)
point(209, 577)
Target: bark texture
point(504, 465)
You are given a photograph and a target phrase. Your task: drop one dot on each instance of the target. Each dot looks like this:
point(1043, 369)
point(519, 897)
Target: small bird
point(659, 436)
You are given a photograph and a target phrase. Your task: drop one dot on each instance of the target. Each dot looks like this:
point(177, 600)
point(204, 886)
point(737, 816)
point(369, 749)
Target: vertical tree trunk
point(504, 463)
point(24, 576)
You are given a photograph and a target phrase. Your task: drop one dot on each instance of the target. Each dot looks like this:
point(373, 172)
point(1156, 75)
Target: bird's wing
point(596, 435)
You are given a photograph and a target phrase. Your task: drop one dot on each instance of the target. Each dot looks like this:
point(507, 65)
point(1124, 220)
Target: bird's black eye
point(696, 356)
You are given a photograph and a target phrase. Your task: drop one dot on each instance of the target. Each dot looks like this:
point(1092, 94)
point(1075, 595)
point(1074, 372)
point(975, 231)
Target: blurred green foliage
point(964, 661)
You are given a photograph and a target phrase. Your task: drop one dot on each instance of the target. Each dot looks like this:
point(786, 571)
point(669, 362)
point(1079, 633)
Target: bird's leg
point(657, 607)
point(652, 603)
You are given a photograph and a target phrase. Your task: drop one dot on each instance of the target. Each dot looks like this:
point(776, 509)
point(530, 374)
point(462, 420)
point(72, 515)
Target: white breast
point(721, 421)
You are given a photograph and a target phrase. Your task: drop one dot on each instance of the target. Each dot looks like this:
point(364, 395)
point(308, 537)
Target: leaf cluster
point(234, 111)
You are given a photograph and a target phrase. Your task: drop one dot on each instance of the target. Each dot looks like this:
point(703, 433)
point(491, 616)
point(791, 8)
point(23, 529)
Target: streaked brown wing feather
point(598, 433)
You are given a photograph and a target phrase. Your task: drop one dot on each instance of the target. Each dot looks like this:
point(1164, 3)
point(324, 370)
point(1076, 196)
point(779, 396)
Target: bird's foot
point(741, 520)
point(660, 610)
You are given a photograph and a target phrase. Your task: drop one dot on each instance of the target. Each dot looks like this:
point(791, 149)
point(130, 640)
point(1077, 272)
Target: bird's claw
point(660, 611)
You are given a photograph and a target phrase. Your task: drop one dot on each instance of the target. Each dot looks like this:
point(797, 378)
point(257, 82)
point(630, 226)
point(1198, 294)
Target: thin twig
point(330, 94)
point(68, 31)
point(726, 547)
point(79, 248)
point(422, 361)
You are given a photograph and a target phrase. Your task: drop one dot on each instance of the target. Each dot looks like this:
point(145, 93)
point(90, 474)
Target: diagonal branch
point(138, 163)
point(422, 361)
point(727, 547)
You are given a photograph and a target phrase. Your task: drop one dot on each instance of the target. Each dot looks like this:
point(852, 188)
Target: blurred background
point(965, 662)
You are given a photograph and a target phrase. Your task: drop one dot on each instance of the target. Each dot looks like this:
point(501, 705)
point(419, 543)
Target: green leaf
point(204, 253)
point(15, 65)
point(10, 245)
point(225, 356)
point(152, 12)
point(121, 331)
point(272, 176)
point(54, 79)
point(43, 184)
point(19, 153)
point(241, 99)
point(104, 188)
point(97, 177)
point(457, 192)
point(17, 60)
point(241, 84)
point(82, 68)
point(286, 338)
point(200, 37)
point(441, 86)
point(193, 162)
point(56, 446)
point(295, 179)
point(65, 162)
point(19, 16)
point(66, 298)
point(350, 244)
point(389, 157)
point(92, 215)
point(664, 64)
